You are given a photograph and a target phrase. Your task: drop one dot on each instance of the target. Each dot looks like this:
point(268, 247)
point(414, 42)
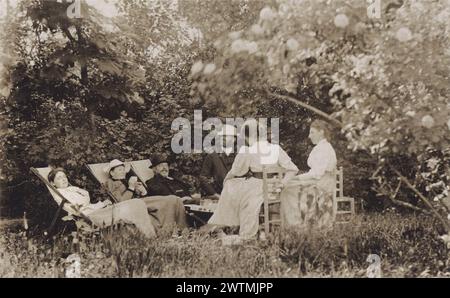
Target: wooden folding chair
point(272, 177)
point(73, 212)
point(143, 171)
point(97, 172)
point(339, 199)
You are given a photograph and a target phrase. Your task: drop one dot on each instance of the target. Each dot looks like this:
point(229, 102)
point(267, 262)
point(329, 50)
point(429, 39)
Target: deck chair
point(339, 200)
point(97, 172)
point(80, 219)
point(138, 167)
point(272, 177)
point(143, 171)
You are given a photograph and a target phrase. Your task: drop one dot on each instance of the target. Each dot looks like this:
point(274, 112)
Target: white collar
point(321, 142)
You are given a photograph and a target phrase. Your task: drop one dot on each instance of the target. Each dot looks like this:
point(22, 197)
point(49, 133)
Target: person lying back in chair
point(103, 214)
point(166, 209)
point(162, 184)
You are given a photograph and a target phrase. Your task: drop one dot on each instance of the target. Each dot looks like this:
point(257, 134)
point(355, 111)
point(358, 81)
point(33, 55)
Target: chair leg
point(196, 217)
point(49, 230)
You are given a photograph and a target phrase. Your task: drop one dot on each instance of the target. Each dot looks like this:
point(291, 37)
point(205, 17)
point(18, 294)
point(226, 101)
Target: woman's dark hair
point(51, 176)
point(323, 126)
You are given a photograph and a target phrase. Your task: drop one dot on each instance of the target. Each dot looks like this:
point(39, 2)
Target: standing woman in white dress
point(241, 199)
point(307, 201)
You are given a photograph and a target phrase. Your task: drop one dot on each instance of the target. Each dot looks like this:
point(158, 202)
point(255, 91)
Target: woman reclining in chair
point(167, 210)
point(103, 214)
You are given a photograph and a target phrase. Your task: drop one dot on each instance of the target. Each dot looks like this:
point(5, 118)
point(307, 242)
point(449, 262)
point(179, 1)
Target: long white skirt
point(240, 205)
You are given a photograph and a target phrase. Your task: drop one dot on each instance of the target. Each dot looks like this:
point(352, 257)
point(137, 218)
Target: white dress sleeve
point(285, 161)
point(241, 164)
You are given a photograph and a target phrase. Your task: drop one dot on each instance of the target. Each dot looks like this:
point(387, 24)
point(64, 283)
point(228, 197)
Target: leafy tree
point(222, 16)
point(130, 82)
point(384, 82)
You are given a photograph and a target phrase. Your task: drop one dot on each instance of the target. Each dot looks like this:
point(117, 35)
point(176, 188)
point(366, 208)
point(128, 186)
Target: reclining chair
point(74, 214)
point(142, 170)
point(200, 213)
point(101, 177)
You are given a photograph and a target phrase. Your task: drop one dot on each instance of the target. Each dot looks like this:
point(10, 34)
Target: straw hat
point(115, 163)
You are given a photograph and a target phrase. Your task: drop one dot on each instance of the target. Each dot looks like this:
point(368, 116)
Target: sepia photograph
point(225, 145)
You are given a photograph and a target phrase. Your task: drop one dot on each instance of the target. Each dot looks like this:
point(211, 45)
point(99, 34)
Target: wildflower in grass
point(446, 239)
point(197, 67)
point(209, 69)
point(403, 34)
point(267, 14)
point(341, 21)
point(427, 121)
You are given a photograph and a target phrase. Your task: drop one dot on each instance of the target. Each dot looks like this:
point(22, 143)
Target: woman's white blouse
point(322, 159)
point(76, 196)
point(261, 153)
point(81, 198)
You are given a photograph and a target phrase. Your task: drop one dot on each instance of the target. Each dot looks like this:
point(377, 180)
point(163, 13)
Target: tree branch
point(308, 107)
point(422, 197)
point(392, 198)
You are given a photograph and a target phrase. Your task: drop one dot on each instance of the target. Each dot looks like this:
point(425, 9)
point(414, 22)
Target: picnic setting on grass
point(244, 192)
point(212, 138)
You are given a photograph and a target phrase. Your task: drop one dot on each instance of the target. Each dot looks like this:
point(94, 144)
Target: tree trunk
point(84, 75)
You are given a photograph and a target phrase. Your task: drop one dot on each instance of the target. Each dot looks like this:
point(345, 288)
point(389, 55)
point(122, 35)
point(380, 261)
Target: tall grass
point(407, 246)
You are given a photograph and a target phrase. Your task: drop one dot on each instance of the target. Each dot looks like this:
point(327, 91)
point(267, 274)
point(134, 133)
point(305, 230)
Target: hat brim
point(108, 168)
point(158, 163)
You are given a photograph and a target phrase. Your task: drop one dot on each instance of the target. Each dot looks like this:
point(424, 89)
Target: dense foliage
point(384, 82)
point(76, 91)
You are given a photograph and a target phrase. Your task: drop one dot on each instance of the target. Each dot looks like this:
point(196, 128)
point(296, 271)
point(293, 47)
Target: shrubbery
point(95, 96)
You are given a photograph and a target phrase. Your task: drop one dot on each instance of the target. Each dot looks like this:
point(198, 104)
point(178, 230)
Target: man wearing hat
point(218, 164)
point(121, 189)
point(167, 209)
point(162, 184)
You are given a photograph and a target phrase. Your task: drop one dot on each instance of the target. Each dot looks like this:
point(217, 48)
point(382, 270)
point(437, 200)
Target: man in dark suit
point(217, 164)
point(162, 184)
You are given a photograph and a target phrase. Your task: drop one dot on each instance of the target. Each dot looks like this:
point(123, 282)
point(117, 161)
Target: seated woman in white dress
point(307, 200)
point(241, 199)
point(103, 214)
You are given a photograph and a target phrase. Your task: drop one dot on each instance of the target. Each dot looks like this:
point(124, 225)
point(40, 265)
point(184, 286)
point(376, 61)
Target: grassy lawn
point(407, 245)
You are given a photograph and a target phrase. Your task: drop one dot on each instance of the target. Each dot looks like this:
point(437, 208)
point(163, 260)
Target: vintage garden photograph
point(224, 138)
